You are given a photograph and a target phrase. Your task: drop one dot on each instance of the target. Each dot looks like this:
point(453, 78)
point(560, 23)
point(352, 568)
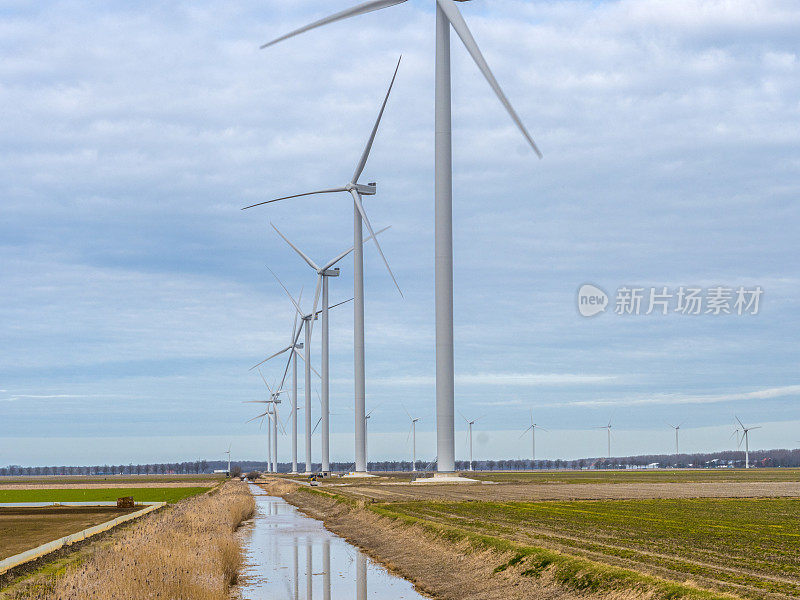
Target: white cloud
point(656, 399)
point(509, 379)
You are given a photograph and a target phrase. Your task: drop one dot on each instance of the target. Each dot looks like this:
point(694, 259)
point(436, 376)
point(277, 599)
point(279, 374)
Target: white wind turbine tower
point(271, 414)
point(746, 437)
point(228, 452)
point(323, 273)
point(447, 15)
point(366, 431)
point(412, 432)
point(305, 327)
point(469, 434)
point(608, 430)
point(357, 190)
point(532, 428)
point(677, 429)
point(294, 351)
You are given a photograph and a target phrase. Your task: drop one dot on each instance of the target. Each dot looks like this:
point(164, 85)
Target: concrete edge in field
point(35, 553)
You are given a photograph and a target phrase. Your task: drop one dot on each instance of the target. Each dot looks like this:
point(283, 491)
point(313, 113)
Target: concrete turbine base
point(354, 474)
point(446, 478)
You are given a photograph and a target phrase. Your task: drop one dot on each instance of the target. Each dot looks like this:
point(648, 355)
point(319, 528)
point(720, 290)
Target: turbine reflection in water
point(274, 549)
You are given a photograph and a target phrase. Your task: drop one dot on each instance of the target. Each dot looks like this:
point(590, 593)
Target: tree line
point(729, 458)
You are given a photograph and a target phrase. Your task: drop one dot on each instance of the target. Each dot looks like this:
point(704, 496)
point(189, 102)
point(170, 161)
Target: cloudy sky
point(135, 293)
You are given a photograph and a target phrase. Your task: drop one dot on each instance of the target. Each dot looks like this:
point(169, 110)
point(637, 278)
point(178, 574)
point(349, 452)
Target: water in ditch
point(290, 556)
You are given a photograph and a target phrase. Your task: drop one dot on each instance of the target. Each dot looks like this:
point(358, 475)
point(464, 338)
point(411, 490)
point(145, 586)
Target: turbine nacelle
point(368, 189)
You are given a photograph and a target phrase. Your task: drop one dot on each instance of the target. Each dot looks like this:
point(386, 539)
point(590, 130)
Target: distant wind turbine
point(746, 437)
point(294, 352)
point(447, 15)
point(306, 320)
point(412, 432)
point(608, 429)
point(532, 428)
point(469, 434)
point(677, 429)
point(323, 273)
point(271, 414)
point(366, 432)
point(228, 452)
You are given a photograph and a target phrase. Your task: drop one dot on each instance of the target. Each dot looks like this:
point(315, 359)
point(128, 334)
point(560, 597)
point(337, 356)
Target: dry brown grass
point(188, 551)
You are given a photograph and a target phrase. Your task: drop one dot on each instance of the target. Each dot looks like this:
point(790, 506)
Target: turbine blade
point(328, 191)
point(270, 357)
point(310, 262)
point(359, 9)
point(365, 154)
point(296, 305)
point(339, 257)
point(294, 325)
point(256, 417)
point(317, 425)
point(262, 379)
point(340, 303)
point(360, 207)
point(314, 309)
point(406, 411)
point(740, 423)
point(460, 25)
point(526, 431)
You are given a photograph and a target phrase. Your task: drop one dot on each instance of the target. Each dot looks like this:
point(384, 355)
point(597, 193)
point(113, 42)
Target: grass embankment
point(188, 550)
point(24, 528)
point(487, 555)
point(155, 494)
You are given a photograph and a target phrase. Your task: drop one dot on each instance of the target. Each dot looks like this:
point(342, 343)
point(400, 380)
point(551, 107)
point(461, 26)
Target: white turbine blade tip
point(460, 25)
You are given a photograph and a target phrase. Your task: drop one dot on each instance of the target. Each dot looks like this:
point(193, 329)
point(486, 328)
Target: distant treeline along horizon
point(730, 458)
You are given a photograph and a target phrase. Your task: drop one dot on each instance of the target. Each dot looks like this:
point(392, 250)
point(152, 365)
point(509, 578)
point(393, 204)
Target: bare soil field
point(24, 528)
point(520, 492)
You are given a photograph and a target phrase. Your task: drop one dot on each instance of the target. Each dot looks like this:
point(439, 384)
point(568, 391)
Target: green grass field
point(643, 476)
point(52, 479)
point(749, 547)
point(163, 494)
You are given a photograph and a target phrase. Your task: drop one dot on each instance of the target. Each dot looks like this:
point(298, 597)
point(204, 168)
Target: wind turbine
point(412, 432)
point(470, 424)
point(323, 273)
point(746, 437)
point(532, 428)
point(447, 15)
point(272, 443)
point(608, 429)
point(228, 452)
point(357, 190)
point(294, 351)
point(366, 427)
point(677, 428)
point(305, 327)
